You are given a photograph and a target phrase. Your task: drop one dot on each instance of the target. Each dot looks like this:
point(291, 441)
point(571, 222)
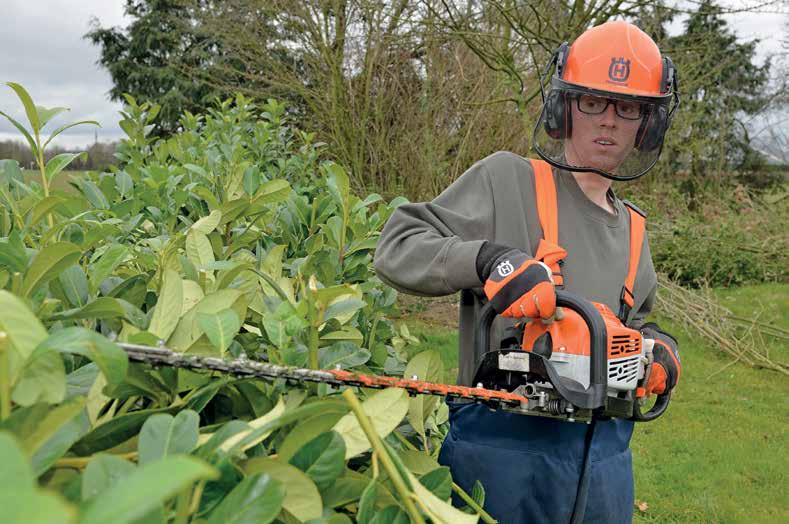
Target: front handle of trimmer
point(661, 403)
point(594, 396)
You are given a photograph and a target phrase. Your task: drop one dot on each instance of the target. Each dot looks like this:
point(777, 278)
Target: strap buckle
point(626, 302)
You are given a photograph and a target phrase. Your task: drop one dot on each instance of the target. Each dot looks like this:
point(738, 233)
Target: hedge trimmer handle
point(661, 404)
point(663, 399)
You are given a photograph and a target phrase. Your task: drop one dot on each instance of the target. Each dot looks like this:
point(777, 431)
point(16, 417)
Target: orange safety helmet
point(615, 60)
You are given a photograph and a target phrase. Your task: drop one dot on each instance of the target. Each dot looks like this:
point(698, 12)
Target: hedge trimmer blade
point(336, 377)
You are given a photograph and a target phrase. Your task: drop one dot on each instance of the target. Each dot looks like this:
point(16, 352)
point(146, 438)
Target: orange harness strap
point(547, 208)
point(637, 228)
point(549, 251)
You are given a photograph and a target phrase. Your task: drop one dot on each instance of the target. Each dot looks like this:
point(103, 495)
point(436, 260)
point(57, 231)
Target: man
point(603, 119)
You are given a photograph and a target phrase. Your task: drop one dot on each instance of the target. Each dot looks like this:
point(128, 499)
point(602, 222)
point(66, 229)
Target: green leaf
point(35, 425)
point(25, 133)
point(101, 308)
point(62, 128)
point(196, 169)
point(386, 410)
point(75, 285)
point(111, 359)
point(94, 195)
point(343, 354)
point(427, 367)
point(367, 504)
point(168, 307)
point(270, 192)
point(302, 498)
point(124, 184)
point(220, 327)
point(246, 438)
point(59, 443)
point(27, 102)
point(115, 431)
point(439, 481)
point(60, 162)
point(163, 435)
point(16, 470)
point(13, 254)
point(193, 294)
point(43, 208)
point(310, 428)
point(441, 509)
point(344, 309)
point(233, 209)
point(45, 114)
point(34, 507)
point(350, 334)
point(418, 462)
point(103, 472)
point(338, 182)
point(345, 490)
point(255, 500)
point(208, 223)
point(42, 379)
point(328, 295)
point(23, 329)
point(322, 459)
point(198, 249)
point(391, 515)
point(20, 498)
point(106, 264)
point(48, 264)
point(188, 330)
point(478, 493)
point(145, 489)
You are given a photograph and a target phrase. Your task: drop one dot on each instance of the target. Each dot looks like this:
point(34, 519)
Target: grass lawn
point(61, 181)
point(721, 452)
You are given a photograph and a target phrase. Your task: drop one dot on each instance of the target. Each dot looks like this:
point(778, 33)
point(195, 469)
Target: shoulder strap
point(547, 208)
point(548, 251)
point(637, 228)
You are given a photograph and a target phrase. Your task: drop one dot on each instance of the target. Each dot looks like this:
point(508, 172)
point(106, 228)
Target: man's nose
point(608, 117)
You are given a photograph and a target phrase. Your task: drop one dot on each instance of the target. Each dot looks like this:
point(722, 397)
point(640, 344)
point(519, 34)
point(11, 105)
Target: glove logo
point(619, 70)
point(505, 268)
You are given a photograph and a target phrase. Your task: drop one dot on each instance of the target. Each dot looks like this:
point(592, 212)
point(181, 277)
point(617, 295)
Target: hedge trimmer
point(584, 365)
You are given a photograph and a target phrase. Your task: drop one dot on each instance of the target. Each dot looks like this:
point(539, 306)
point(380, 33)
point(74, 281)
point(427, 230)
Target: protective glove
point(516, 285)
point(664, 372)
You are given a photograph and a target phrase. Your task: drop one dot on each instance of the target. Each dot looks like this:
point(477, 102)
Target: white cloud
point(45, 52)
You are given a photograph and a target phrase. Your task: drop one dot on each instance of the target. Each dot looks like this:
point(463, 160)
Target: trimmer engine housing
point(587, 364)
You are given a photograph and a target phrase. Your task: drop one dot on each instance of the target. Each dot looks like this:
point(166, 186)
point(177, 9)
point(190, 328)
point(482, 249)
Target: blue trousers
point(534, 468)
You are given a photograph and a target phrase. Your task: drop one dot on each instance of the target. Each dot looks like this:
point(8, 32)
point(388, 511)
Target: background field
point(720, 453)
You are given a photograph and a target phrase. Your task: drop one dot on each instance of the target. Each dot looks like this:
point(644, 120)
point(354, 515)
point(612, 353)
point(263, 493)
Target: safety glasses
point(595, 105)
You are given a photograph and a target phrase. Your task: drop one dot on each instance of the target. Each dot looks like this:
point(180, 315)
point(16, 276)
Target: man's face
point(602, 140)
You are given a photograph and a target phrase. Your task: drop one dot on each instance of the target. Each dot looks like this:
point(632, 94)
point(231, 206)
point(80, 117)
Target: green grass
point(721, 452)
point(61, 182)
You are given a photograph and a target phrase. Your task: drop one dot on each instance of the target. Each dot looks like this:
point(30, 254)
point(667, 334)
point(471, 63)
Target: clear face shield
point(617, 136)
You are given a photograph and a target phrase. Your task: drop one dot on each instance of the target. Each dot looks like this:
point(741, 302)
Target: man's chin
point(602, 163)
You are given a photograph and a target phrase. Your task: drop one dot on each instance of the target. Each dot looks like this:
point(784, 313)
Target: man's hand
point(664, 375)
point(518, 286)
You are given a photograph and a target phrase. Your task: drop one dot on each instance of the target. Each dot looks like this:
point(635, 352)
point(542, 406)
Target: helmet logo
point(619, 70)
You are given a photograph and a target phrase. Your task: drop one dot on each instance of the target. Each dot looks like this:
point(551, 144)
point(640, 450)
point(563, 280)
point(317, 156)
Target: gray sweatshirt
point(430, 248)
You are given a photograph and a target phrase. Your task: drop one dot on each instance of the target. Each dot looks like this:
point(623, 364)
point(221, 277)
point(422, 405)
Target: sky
point(44, 50)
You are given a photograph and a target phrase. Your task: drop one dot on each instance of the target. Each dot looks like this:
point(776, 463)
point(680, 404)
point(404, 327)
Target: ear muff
point(558, 120)
point(655, 124)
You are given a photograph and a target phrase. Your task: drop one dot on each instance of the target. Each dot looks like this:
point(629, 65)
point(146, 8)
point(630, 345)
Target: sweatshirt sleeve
point(430, 248)
point(643, 312)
